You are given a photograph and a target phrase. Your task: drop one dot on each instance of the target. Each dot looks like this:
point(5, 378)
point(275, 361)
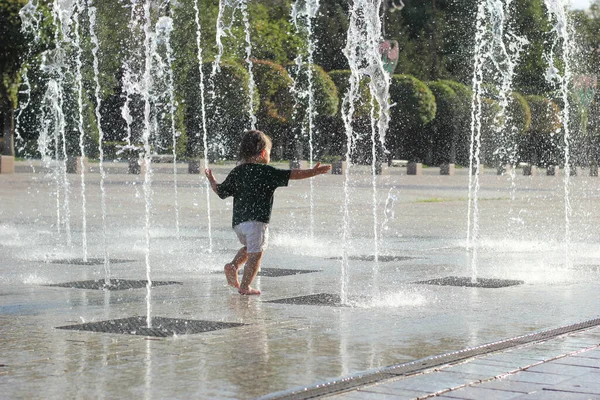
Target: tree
point(12, 45)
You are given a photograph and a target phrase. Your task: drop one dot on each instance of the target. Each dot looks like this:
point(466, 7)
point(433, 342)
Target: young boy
point(252, 184)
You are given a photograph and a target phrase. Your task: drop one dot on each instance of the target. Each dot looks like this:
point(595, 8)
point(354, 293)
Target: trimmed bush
point(540, 143)
point(276, 108)
point(325, 103)
point(462, 119)
point(414, 107)
point(341, 80)
point(227, 110)
point(519, 112)
point(442, 131)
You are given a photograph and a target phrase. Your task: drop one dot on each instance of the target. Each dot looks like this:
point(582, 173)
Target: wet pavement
point(273, 345)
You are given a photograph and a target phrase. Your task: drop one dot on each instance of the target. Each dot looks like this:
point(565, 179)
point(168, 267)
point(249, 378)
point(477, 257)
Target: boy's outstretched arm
point(212, 180)
point(318, 169)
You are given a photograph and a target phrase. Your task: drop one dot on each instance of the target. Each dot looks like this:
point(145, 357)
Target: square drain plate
point(379, 258)
point(115, 284)
point(161, 327)
point(468, 282)
point(89, 261)
point(321, 299)
point(276, 272)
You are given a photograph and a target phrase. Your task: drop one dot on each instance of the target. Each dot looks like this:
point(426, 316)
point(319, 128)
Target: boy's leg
point(250, 271)
point(231, 269)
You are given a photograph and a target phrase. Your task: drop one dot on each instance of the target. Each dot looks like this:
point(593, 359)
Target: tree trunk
point(8, 132)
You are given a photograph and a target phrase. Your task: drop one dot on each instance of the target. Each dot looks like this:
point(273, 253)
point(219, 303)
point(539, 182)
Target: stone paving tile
point(594, 354)
point(578, 385)
point(554, 395)
point(430, 382)
point(578, 361)
point(371, 393)
point(512, 386)
point(475, 367)
point(559, 369)
point(478, 393)
point(591, 377)
point(537, 377)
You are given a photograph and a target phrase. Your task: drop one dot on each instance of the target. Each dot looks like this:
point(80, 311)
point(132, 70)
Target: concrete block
point(447, 169)
point(196, 166)
point(413, 168)
point(135, 166)
point(298, 164)
point(552, 170)
point(529, 170)
point(7, 164)
point(74, 165)
point(382, 168)
point(339, 167)
point(503, 169)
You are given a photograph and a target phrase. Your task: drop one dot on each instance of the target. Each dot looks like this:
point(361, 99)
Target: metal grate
point(89, 261)
point(321, 299)
point(160, 326)
point(379, 258)
point(277, 272)
point(115, 284)
point(356, 381)
point(468, 282)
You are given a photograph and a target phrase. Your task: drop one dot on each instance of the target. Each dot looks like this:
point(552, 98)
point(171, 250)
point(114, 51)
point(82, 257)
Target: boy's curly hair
point(253, 142)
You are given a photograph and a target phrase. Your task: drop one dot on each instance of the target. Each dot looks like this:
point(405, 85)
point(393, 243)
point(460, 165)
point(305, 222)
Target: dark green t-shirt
point(252, 187)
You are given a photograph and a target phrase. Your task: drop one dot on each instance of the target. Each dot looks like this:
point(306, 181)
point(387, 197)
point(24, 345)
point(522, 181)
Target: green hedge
point(227, 112)
point(414, 107)
point(462, 119)
point(341, 80)
point(442, 131)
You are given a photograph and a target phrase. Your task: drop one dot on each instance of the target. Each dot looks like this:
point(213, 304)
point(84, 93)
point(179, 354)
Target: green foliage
point(545, 116)
point(519, 112)
point(443, 130)
point(414, 107)
point(330, 35)
point(341, 80)
point(12, 45)
point(462, 118)
point(540, 145)
point(276, 108)
point(227, 111)
point(326, 100)
point(273, 84)
point(415, 103)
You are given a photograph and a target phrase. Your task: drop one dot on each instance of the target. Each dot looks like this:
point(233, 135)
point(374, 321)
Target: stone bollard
point(135, 166)
point(552, 170)
point(298, 164)
point(338, 168)
point(413, 168)
point(196, 166)
point(7, 164)
point(381, 168)
point(447, 169)
point(575, 171)
point(74, 165)
point(529, 170)
point(503, 169)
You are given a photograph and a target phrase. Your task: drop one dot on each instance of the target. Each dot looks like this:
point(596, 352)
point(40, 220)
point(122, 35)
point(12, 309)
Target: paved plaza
point(532, 331)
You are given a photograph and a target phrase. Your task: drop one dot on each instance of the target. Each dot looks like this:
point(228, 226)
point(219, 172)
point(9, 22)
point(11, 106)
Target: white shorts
point(254, 235)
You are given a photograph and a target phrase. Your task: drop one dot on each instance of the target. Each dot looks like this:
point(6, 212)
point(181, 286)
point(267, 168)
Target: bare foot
point(248, 291)
point(232, 275)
